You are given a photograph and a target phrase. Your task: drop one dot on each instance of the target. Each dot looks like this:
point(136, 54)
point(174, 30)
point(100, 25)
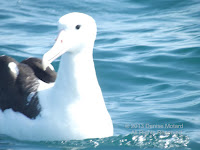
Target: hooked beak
point(56, 51)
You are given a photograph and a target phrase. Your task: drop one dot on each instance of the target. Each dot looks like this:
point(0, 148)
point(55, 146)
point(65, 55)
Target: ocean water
point(147, 59)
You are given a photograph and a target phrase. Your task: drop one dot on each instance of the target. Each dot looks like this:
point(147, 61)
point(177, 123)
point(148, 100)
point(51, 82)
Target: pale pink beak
point(56, 51)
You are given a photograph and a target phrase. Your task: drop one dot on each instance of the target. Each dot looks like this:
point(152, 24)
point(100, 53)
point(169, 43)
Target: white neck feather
point(77, 77)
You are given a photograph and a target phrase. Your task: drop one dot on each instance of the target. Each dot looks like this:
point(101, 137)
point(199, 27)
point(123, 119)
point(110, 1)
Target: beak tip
point(44, 64)
point(44, 68)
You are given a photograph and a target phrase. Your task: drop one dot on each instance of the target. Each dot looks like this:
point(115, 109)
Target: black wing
point(18, 87)
point(47, 76)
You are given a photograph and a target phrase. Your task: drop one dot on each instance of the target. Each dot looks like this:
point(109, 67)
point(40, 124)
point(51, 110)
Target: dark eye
point(78, 26)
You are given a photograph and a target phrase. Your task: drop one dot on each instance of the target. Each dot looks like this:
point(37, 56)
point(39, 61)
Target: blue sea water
point(147, 59)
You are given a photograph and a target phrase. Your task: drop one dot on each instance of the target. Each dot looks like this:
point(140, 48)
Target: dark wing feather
point(48, 76)
point(15, 90)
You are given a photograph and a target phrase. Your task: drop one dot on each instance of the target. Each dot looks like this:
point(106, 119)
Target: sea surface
point(147, 59)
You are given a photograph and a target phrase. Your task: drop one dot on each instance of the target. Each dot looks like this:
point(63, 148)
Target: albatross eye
point(78, 26)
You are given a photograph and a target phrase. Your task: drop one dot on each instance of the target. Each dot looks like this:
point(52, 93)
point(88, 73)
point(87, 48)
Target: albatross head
point(77, 34)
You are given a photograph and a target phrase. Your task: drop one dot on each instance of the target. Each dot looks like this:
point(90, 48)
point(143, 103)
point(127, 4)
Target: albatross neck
point(77, 77)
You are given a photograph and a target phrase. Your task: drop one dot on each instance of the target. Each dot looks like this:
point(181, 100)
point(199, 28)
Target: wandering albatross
point(73, 108)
